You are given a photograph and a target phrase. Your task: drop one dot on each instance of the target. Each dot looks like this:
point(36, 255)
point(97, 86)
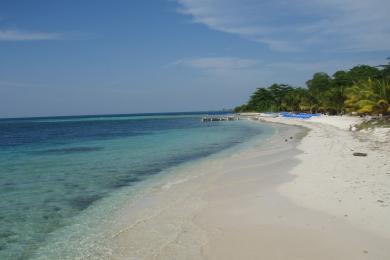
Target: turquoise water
point(53, 169)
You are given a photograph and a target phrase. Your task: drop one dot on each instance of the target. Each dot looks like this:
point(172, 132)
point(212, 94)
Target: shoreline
point(86, 235)
point(244, 205)
point(182, 227)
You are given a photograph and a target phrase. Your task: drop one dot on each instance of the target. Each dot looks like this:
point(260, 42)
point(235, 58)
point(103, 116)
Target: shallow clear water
point(53, 169)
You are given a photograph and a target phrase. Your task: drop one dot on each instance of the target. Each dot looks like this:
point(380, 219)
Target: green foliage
point(362, 89)
point(364, 72)
point(277, 97)
point(381, 122)
point(385, 72)
point(369, 96)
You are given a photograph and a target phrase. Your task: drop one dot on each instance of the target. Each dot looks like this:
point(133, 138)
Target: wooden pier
point(220, 118)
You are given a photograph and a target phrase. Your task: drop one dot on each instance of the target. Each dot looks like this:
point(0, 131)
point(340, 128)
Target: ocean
point(54, 170)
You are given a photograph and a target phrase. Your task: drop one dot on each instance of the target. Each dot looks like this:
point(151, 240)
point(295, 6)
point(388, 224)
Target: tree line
point(362, 89)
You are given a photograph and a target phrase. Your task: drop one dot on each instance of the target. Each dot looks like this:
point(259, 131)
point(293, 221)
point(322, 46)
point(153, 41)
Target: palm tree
point(292, 100)
point(262, 100)
point(369, 97)
point(317, 86)
point(278, 92)
point(383, 90)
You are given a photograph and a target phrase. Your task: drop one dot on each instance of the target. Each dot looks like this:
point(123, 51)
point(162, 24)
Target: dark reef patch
point(78, 149)
point(124, 181)
point(82, 202)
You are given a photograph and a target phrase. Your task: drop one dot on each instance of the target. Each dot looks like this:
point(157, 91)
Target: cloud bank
point(296, 25)
point(16, 35)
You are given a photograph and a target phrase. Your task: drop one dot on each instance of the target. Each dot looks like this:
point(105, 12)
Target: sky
point(114, 57)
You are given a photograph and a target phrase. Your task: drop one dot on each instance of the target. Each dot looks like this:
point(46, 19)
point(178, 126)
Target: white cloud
point(14, 84)
point(353, 25)
point(15, 35)
point(218, 63)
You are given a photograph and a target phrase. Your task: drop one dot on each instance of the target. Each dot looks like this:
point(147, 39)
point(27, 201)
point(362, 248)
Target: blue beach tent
point(299, 115)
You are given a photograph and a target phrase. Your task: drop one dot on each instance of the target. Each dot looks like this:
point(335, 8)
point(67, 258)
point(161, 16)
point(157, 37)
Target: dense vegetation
point(362, 89)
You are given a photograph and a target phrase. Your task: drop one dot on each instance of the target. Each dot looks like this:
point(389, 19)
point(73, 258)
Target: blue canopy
point(299, 115)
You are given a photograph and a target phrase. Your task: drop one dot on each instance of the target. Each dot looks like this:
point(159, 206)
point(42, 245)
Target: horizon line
point(115, 114)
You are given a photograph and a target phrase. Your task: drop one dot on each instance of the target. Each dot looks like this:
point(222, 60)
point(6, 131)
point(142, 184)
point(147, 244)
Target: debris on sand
point(359, 154)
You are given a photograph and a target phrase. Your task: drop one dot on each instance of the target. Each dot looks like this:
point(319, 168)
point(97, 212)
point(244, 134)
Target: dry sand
point(330, 179)
point(339, 208)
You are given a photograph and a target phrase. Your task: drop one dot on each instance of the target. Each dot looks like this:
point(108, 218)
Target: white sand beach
point(284, 198)
point(300, 199)
point(340, 202)
point(331, 180)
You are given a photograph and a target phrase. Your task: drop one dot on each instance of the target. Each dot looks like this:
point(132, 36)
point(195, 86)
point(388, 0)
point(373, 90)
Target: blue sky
point(101, 57)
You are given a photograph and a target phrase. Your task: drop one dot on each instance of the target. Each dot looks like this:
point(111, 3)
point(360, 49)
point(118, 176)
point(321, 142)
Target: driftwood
point(359, 154)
